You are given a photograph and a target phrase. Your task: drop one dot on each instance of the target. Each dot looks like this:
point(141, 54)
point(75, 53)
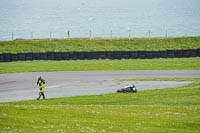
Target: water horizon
point(128, 18)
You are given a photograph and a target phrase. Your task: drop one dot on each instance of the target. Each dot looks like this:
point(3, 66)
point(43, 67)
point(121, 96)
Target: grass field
point(163, 110)
point(158, 79)
point(81, 65)
point(122, 44)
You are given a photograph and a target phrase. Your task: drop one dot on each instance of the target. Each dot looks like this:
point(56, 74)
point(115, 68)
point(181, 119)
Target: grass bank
point(63, 45)
point(166, 110)
point(83, 65)
point(158, 79)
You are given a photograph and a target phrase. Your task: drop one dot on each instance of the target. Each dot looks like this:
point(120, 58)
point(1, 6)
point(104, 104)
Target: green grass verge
point(63, 45)
point(82, 65)
point(164, 110)
point(159, 79)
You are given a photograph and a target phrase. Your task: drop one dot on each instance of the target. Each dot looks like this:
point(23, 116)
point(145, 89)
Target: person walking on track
point(41, 84)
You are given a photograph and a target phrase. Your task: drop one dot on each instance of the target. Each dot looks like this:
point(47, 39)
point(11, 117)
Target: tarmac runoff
point(22, 86)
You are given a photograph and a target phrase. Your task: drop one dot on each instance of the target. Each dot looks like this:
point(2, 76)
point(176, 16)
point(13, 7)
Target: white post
point(12, 36)
point(166, 34)
point(129, 34)
point(111, 34)
point(50, 35)
point(68, 34)
point(31, 35)
point(149, 34)
point(90, 34)
point(185, 34)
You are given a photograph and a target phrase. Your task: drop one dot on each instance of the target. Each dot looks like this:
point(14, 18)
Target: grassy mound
point(64, 45)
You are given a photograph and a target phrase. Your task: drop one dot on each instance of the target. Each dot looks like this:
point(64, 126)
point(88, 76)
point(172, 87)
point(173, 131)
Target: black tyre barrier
point(163, 54)
point(125, 55)
point(100, 55)
point(117, 55)
point(65, 56)
point(21, 56)
point(36, 56)
point(198, 52)
point(149, 54)
point(14, 57)
point(156, 54)
point(109, 55)
point(43, 56)
point(80, 55)
point(72, 55)
point(87, 55)
point(50, 56)
point(95, 55)
point(133, 54)
point(1, 58)
point(170, 53)
point(141, 54)
point(7, 57)
point(28, 56)
point(58, 56)
point(186, 53)
point(193, 53)
point(178, 53)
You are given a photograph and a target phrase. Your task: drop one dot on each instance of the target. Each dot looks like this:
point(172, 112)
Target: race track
point(22, 86)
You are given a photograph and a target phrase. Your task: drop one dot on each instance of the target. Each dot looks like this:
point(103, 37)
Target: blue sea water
point(176, 17)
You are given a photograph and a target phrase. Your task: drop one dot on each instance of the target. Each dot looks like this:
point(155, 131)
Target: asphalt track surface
point(22, 86)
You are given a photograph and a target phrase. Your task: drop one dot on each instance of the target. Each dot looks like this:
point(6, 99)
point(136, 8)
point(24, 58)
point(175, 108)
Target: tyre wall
point(8, 57)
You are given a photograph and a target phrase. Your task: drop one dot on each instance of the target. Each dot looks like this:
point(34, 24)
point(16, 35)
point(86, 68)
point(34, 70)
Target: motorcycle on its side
point(128, 89)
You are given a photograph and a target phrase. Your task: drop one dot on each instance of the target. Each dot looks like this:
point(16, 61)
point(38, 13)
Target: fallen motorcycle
point(128, 89)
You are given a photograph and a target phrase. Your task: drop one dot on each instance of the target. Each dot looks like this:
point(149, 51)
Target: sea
point(35, 19)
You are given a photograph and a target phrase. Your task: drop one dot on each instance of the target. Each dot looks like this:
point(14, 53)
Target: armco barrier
point(100, 55)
